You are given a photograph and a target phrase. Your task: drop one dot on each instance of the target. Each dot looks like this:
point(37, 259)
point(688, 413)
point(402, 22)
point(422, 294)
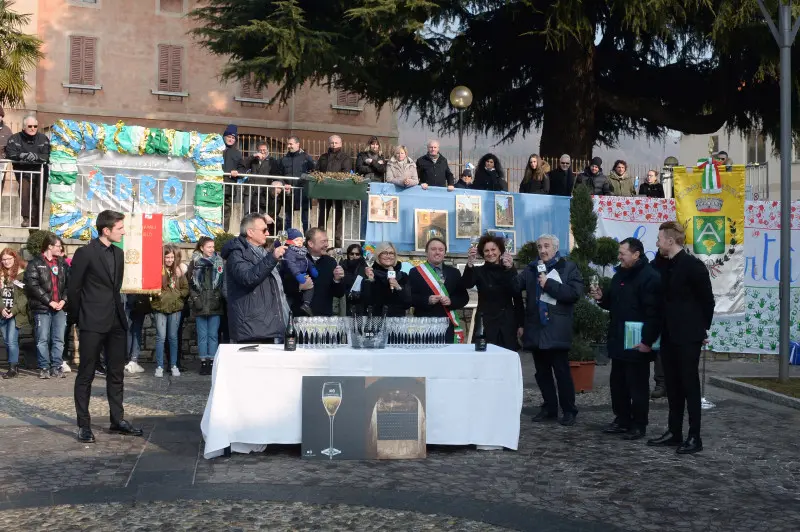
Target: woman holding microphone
point(385, 284)
point(500, 306)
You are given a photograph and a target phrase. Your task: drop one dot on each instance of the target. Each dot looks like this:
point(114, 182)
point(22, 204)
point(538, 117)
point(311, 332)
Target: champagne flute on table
point(331, 400)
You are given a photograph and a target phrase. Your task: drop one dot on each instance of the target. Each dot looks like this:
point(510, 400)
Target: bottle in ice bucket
point(290, 336)
point(480, 336)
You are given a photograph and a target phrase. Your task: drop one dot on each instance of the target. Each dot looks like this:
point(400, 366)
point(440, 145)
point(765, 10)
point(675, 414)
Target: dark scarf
point(201, 264)
point(544, 316)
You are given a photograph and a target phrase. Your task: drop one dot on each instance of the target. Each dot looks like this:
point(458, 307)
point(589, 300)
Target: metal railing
point(22, 195)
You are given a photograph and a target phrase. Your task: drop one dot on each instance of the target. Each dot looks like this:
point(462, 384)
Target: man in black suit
point(437, 290)
point(328, 284)
point(688, 308)
point(94, 298)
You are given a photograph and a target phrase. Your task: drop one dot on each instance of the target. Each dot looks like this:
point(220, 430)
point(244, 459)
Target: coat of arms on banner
point(710, 205)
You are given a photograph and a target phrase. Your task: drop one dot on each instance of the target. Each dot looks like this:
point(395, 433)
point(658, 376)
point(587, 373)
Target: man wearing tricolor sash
point(437, 290)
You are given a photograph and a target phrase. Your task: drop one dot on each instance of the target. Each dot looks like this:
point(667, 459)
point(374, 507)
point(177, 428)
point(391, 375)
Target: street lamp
point(460, 98)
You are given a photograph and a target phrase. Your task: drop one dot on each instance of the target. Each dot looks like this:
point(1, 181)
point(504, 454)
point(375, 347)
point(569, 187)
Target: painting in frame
point(503, 210)
point(429, 224)
point(383, 209)
point(468, 216)
point(509, 235)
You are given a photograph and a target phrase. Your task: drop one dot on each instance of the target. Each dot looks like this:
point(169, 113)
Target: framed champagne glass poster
point(363, 418)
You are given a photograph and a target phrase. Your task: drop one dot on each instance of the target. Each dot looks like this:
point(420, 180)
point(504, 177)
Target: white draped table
point(256, 397)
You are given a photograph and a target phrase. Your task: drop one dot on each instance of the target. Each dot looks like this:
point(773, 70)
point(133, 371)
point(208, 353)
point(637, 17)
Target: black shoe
point(100, 370)
point(635, 433)
point(85, 435)
point(668, 438)
point(544, 415)
point(203, 367)
point(568, 419)
point(57, 373)
point(615, 428)
point(658, 392)
point(693, 444)
point(125, 427)
point(44, 373)
point(306, 309)
point(12, 372)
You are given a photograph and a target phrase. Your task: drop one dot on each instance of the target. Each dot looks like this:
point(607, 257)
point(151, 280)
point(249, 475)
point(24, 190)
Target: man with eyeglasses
point(562, 179)
point(30, 151)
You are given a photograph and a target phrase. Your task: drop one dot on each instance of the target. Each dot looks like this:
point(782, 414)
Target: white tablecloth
point(256, 397)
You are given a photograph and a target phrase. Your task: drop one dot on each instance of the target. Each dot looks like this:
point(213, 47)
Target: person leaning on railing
point(535, 180)
point(30, 151)
point(400, 170)
point(5, 134)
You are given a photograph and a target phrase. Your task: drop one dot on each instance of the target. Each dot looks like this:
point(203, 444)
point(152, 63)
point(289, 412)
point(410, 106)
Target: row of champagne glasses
point(322, 332)
point(415, 333)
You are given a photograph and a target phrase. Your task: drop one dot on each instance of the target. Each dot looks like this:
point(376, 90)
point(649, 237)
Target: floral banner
point(621, 218)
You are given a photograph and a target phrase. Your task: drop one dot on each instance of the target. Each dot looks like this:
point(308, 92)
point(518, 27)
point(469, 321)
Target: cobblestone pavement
point(747, 478)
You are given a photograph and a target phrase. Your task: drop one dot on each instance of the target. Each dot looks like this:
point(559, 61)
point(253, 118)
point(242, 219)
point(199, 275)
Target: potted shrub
point(582, 364)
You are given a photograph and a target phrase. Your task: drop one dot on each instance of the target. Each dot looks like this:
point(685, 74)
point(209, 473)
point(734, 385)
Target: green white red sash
point(437, 287)
point(712, 181)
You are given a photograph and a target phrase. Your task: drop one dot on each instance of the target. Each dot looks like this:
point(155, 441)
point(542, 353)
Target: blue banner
point(533, 215)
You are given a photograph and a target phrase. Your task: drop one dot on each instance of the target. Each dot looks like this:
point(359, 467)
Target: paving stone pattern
point(566, 479)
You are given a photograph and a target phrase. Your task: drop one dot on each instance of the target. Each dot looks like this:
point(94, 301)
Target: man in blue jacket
point(634, 297)
point(257, 308)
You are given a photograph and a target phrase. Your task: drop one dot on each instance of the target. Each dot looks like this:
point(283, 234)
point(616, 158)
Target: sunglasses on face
point(32, 127)
point(564, 164)
point(354, 254)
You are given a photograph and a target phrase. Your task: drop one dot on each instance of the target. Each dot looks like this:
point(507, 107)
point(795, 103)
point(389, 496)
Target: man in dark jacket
point(30, 151)
point(562, 179)
point(295, 163)
point(437, 290)
point(5, 134)
point(328, 284)
point(634, 297)
point(595, 179)
point(334, 160)
point(688, 308)
point(433, 170)
point(257, 310)
point(553, 286)
point(233, 165)
point(259, 166)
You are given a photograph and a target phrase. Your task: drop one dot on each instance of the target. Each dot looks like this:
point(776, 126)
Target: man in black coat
point(328, 284)
point(30, 151)
point(233, 165)
point(562, 179)
point(295, 163)
point(430, 298)
point(433, 170)
point(333, 160)
point(93, 295)
point(688, 308)
point(634, 297)
point(553, 285)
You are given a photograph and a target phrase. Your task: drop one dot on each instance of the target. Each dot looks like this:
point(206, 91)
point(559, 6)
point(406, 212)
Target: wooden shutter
point(75, 59)
point(249, 89)
point(347, 99)
point(163, 67)
point(89, 46)
point(175, 68)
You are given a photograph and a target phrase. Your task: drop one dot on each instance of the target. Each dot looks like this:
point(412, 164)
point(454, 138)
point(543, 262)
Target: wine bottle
point(480, 336)
point(290, 336)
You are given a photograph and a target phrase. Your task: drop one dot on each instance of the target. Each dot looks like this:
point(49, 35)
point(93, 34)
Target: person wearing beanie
point(30, 151)
point(300, 266)
point(5, 134)
point(465, 179)
point(595, 179)
point(232, 165)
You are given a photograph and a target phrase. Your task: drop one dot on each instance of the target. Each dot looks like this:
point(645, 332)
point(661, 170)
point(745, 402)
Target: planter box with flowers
point(335, 186)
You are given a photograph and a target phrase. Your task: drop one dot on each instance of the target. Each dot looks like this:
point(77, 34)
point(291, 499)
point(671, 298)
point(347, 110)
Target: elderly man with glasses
point(30, 151)
point(561, 178)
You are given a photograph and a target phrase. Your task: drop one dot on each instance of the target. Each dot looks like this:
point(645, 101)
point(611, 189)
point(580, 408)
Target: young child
point(300, 266)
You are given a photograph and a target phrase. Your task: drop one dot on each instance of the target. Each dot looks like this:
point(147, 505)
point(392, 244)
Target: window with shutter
point(170, 68)
point(347, 99)
point(82, 60)
point(171, 6)
point(249, 89)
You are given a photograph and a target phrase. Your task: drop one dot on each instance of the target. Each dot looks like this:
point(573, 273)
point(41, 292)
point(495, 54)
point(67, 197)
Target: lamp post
point(784, 35)
point(460, 98)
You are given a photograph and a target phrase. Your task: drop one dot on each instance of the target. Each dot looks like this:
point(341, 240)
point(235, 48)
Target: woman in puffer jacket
point(206, 299)
point(401, 170)
point(167, 309)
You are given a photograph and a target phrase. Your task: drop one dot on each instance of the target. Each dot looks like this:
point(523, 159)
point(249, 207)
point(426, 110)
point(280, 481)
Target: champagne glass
point(473, 242)
point(331, 399)
point(369, 258)
point(594, 283)
point(283, 236)
point(338, 254)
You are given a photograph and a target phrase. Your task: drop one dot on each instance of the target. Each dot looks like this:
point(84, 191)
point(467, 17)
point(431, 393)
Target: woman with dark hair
point(46, 280)
point(353, 265)
point(206, 293)
point(489, 174)
point(386, 284)
point(167, 308)
point(499, 304)
point(535, 180)
point(14, 313)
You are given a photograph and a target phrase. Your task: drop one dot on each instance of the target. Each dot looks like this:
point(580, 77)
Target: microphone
point(541, 268)
point(391, 274)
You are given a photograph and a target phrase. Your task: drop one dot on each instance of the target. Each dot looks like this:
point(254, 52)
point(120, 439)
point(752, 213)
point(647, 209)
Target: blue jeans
point(135, 326)
point(167, 329)
point(207, 336)
point(11, 336)
point(49, 328)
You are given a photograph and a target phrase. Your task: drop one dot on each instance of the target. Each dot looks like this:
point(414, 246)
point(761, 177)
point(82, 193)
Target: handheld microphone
point(391, 274)
point(541, 268)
